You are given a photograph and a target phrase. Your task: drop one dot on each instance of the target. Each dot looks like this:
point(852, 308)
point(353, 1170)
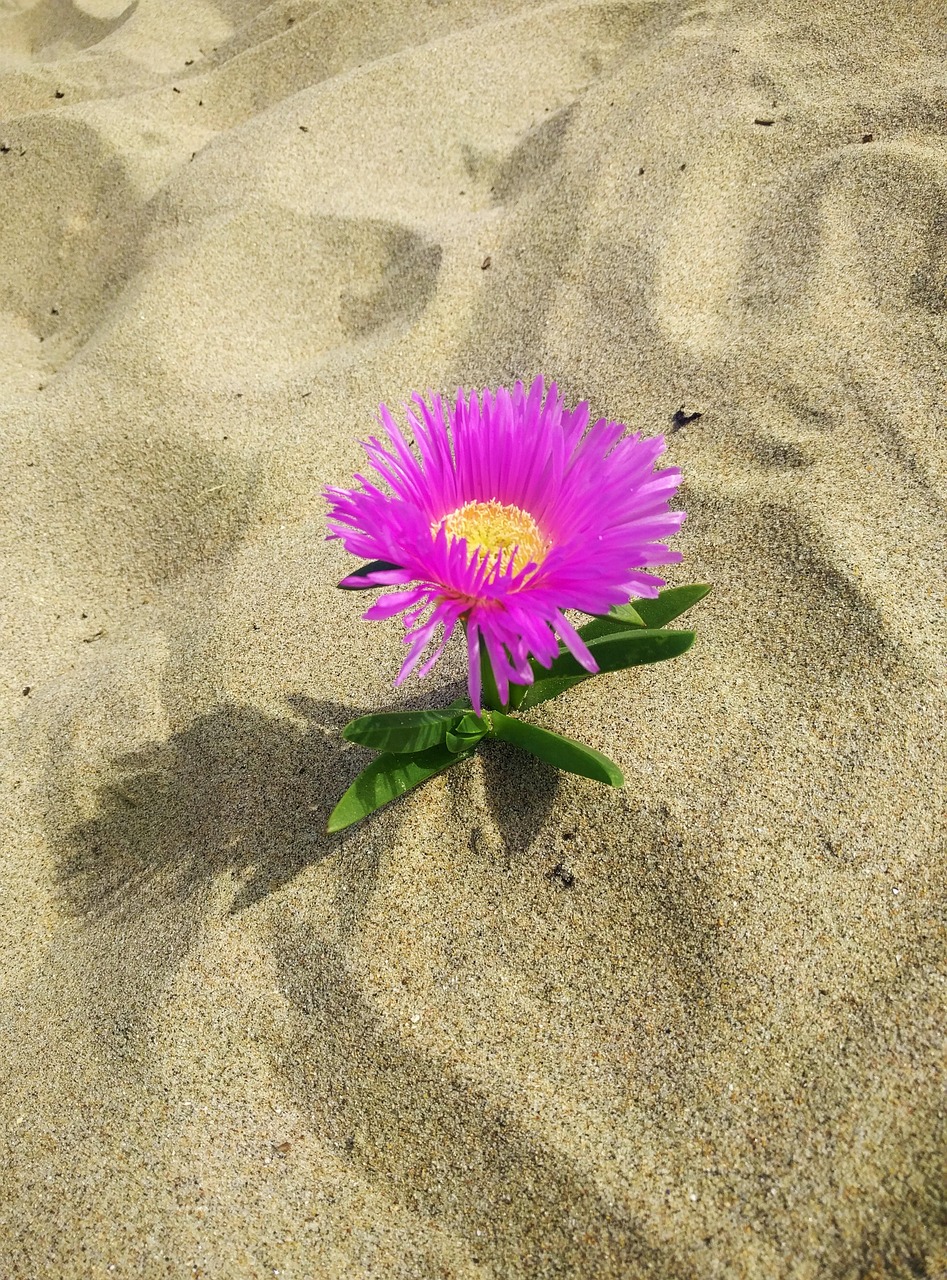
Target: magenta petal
point(594, 491)
point(575, 644)
point(388, 606)
point(448, 624)
point(383, 578)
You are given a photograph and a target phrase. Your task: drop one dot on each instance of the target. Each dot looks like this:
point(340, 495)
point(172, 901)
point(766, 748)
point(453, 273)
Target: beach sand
point(233, 1046)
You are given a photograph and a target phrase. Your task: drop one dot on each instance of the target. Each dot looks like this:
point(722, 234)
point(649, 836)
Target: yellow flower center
point(497, 533)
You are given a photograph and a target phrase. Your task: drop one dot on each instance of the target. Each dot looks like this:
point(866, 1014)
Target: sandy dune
point(231, 1046)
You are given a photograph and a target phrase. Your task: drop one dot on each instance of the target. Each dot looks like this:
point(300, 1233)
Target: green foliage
point(670, 604)
point(465, 735)
point(545, 690)
point(489, 692)
point(403, 731)
point(555, 749)
point(615, 652)
point(386, 778)
point(416, 745)
point(620, 618)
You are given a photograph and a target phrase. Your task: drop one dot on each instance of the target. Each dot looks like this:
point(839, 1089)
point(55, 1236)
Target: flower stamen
point(497, 533)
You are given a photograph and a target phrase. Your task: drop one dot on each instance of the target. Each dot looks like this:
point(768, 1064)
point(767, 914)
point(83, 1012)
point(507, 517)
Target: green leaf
point(402, 731)
point(351, 582)
point(386, 778)
point(628, 614)
point(615, 652)
point(471, 724)
point(671, 603)
point(517, 694)
point(621, 618)
point(544, 690)
point(465, 735)
point(625, 649)
point(562, 752)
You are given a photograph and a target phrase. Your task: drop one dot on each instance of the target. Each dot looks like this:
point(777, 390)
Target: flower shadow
point(226, 811)
point(238, 791)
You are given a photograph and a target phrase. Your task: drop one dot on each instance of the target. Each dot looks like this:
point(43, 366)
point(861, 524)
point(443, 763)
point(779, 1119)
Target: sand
point(231, 1046)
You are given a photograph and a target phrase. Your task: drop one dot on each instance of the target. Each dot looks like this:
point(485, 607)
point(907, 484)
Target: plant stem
point(490, 692)
point(491, 695)
point(517, 694)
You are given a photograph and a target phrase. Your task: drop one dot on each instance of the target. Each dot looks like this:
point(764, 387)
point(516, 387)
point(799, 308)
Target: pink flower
point(512, 511)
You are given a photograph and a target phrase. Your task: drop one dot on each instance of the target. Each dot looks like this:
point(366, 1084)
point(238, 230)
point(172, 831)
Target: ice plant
point(508, 511)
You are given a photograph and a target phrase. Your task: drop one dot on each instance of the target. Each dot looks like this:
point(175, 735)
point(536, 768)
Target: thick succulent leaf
point(386, 778)
point(562, 752)
point(631, 648)
point(354, 580)
point(671, 603)
point(622, 618)
point(465, 735)
point(517, 694)
point(543, 690)
point(471, 724)
point(403, 731)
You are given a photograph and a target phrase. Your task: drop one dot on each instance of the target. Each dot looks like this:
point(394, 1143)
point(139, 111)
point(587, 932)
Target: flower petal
point(593, 492)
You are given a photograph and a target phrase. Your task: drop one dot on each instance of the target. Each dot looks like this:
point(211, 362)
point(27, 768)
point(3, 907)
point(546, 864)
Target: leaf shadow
point(520, 791)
